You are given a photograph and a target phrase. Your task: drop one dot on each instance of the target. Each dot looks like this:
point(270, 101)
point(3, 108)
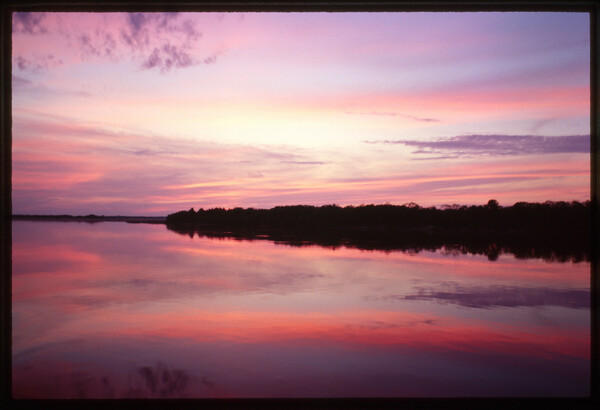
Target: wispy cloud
point(395, 114)
point(19, 82)
point(438, 157)
point(211, 59)
point(37, 63)
point(304, 162)
point(495, 145)
point(541, 123)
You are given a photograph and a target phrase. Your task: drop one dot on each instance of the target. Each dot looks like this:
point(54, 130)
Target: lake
point(119, 310)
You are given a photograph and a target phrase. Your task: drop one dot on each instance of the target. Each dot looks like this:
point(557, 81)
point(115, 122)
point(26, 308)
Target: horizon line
point(92, 215)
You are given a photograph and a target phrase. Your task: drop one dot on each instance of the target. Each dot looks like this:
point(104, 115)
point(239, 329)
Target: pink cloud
point(151, 40)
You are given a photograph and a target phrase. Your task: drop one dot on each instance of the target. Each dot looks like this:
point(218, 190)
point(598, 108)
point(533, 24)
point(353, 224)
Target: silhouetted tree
point(493, 204)
point(567, 217)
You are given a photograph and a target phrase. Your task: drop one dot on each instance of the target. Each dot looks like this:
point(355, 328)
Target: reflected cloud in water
point(502, 296)
point(547, 245)
point(53, 379)
point(162, 382)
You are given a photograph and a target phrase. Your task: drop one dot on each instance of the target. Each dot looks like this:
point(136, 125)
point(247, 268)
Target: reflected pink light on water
point(350, 328)
point(374, 328)
point(506, 267)
point(218, 252)
point(52, 252)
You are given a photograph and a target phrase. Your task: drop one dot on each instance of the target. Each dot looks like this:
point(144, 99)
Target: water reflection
point(120, 310)
point(501, 296)
point(53, 380)
point(548, 245)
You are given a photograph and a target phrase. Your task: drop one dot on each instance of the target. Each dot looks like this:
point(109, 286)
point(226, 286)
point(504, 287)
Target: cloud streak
point(395, 114)
point(495, 145)
point(304, 162)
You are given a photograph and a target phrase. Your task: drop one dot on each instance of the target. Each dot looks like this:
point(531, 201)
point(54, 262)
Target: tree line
point(552, 216)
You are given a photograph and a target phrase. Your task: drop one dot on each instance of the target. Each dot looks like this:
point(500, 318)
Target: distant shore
point(522, 216)
point(92, 218)
point(547, 216)
point(551, 231)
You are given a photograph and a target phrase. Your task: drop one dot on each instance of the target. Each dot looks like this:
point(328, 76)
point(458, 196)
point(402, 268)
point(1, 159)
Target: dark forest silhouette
point(558, 231)
point(555, 216)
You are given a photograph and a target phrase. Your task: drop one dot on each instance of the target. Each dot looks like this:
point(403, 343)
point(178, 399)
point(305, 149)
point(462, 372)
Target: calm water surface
point(111, 310)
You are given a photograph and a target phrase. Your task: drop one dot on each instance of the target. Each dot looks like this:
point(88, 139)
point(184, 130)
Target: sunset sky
point(151, 113)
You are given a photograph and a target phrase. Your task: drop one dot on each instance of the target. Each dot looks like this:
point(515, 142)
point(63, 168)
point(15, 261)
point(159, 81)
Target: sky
point(152, 113)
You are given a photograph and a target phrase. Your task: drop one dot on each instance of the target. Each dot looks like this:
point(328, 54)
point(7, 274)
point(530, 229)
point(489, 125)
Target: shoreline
point(92, 218)
point(546, 242)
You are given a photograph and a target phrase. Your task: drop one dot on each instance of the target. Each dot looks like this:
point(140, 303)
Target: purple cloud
point(99, 45)
point(137, 21)
point(38, 63)
point(21, 62)
point(29, 23)
point(168, 39)
point(495, 145)
point(212, 58)
point(136, 34)
point(141, 27)
point(168, 57)
point(161, 41)
point(189, 29)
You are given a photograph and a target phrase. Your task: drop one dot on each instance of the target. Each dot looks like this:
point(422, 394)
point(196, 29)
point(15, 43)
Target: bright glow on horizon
point(151, 113)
